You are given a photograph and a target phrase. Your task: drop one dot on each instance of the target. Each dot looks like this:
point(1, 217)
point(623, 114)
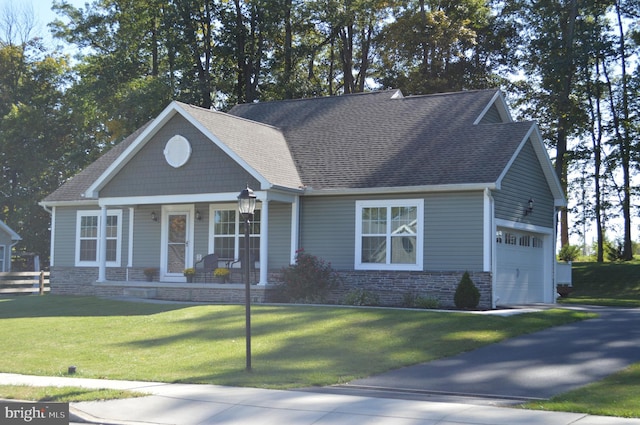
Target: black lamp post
point(246, 206)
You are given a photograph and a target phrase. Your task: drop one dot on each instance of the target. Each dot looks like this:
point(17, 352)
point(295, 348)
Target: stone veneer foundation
point(391, 288)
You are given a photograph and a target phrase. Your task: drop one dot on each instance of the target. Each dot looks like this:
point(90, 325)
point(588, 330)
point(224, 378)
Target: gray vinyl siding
point(327, 229)
point(201, 231)
point(279, 235)
point(492, 116)
point(525, 180)
point(453, 226)
point(209, 169)
point(147, 237)
point(65, 241)
point(454, 231)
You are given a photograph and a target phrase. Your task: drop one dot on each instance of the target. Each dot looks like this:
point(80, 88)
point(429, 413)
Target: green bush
point(614, 250)
point(569, 252)
point(411, 300)
point(427, 302)
point(361, 297)
point(467, 295)
point(308, 280)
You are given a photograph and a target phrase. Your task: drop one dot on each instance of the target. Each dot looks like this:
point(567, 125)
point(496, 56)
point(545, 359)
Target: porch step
point(140, 292)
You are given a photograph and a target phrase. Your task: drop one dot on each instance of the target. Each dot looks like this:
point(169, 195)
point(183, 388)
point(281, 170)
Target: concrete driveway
point(535, 366)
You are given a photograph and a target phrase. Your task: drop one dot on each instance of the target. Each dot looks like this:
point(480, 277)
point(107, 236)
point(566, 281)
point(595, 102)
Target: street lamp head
point(247, 202)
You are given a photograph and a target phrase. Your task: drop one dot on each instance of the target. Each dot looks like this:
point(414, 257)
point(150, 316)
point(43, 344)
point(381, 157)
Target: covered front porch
point(171, 237)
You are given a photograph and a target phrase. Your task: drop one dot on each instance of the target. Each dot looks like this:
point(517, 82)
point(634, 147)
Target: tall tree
point(553, 40)
point(34, 130)
point(436, 46)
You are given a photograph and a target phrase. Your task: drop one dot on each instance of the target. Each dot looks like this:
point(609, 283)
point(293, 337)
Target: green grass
point(616, 395)
point(608, 284)
point(62, 394)
point(293, 346)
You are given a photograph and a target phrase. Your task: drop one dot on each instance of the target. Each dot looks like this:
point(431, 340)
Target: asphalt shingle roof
point(261, 146)
point(379, 140)
point(74, 188)
point(368, 140)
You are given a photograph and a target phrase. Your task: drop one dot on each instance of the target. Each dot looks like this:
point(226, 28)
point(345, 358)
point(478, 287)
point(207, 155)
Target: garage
point(520, 268)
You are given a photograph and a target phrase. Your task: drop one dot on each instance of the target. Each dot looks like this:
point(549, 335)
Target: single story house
point(8, 239)
point(401, 195)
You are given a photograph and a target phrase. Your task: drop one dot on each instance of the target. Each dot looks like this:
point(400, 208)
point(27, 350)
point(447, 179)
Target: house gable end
point(534, 138)
point(496, 111)
point(260, 170)
point(208, 169)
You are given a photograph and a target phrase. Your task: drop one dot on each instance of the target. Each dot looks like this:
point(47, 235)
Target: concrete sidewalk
point(183, 404)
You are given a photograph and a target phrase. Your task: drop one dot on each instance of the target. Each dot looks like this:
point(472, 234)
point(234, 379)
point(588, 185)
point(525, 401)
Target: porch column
point(295, 229)
point(102, 249)
point(264, 243)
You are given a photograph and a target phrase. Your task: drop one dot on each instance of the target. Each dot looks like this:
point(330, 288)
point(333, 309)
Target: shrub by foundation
point(467, 296)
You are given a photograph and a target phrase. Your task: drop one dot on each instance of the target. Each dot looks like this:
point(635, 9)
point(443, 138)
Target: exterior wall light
point(529, 209)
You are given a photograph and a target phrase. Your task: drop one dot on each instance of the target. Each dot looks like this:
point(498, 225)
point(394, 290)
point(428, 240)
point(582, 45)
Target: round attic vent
point(177, 151)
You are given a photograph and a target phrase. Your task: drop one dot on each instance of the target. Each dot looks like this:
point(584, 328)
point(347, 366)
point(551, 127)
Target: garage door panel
point(520, 269)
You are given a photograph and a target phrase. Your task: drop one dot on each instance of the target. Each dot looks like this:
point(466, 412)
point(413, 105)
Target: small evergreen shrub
point(308, 280)
point(361, 297)
point(467, 295)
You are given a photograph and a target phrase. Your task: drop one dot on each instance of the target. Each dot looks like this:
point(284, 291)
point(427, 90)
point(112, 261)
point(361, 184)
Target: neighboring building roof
point(14, 236)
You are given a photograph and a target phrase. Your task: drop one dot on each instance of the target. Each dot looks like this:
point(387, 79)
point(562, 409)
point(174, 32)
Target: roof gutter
point(86, 202)
point(470, 187)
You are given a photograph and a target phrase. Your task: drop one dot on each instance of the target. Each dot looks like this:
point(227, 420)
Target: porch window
point(228, 234)
point(389, 235)
point(88, 238)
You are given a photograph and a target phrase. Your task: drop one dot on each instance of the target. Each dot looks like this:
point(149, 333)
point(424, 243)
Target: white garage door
point(520, 267)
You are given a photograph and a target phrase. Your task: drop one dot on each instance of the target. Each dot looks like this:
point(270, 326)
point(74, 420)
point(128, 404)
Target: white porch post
point(264, 243)
point(295, 220)
point(102, 241)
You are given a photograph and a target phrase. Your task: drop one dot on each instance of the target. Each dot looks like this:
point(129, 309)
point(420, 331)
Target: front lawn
point(293, 346)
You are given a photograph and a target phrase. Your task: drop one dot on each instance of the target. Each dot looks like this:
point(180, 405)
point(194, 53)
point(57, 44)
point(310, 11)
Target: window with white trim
point(2, 258)
point(389, 234)
point(228, 233)
point(88, 238)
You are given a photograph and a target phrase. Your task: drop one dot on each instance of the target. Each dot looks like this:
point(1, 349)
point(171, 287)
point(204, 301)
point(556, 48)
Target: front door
point(177, 246)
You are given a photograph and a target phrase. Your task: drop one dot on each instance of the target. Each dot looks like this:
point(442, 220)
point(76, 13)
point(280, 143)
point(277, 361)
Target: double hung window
point(88, 238)
point(389, 235)
point(228, 233)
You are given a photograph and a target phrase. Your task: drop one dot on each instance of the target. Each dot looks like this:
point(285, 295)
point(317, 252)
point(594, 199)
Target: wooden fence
point(24, 282)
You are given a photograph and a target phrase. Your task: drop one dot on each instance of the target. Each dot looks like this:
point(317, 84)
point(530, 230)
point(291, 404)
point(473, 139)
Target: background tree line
point(570, 65)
